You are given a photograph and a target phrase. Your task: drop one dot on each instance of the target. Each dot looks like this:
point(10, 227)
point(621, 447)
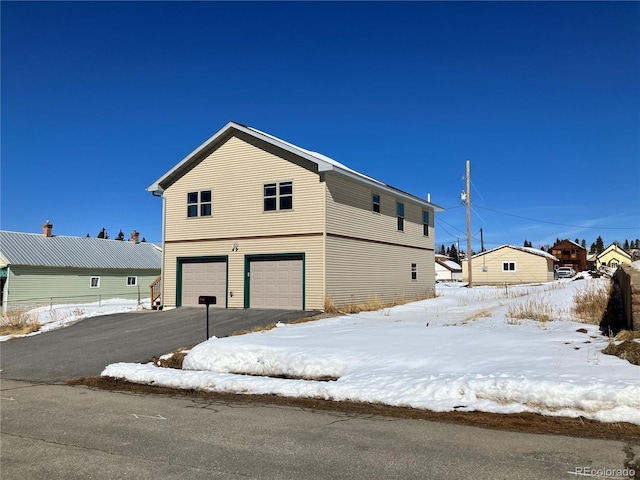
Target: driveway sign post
point(207, 300)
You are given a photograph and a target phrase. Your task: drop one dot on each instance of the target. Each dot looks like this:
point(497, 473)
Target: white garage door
point(204, 278)
point(276, 284)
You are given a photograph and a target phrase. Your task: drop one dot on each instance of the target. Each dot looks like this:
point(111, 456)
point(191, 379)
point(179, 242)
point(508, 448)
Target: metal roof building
point(40, 269)
point(80, 252)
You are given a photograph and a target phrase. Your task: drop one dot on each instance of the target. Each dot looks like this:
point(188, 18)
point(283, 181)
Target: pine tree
point(592, 249)
point(120, 236)
point(583, 244)
point(626, 245)
point(442, 251)
point(453, 254)
point(527, 243)
point(103, 233)
point(599, 245)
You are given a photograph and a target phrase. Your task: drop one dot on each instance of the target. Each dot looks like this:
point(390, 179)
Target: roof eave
point(159, 185)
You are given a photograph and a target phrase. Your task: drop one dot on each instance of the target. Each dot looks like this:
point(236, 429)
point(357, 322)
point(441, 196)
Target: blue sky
point(99, 99)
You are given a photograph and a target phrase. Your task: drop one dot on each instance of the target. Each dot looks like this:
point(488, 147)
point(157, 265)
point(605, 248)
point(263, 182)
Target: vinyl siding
point(349, 213)
point(530, 268)
point(358, 271)
point(311, 246)
point(29, 286)
point(611, 253)
point(367, 256)
point(236, 173)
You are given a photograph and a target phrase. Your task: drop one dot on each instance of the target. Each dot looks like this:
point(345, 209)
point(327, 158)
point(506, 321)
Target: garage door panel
point(276, 284)
point(204, 278)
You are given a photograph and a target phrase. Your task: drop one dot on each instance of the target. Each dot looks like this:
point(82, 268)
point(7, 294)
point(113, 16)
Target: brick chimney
point(47, 229)
point(135, 235)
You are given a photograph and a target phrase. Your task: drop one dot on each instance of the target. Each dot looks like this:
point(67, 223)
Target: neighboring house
point(38, 269)
point(261, 223)
point(447, 270)
point(509, 264)
point(570, 254)
point(613, 256)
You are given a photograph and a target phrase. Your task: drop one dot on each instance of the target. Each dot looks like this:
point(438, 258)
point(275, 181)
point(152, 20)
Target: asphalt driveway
point(85, 348)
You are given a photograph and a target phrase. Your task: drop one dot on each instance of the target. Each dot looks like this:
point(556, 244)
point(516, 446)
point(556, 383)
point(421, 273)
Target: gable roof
point(532, 251)
point(447, 263)
point(616, 249)
point(566, 240)
point(323, 163)
point(80, 252)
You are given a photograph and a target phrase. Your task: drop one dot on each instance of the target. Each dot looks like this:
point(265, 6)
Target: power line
point(554, 223)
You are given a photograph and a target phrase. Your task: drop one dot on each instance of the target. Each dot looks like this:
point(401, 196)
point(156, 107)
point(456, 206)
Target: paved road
point(85, 348)
point(61, 432)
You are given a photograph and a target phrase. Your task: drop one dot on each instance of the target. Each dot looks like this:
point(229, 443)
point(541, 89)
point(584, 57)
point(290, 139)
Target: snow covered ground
point(459, 351)
point(53, 317)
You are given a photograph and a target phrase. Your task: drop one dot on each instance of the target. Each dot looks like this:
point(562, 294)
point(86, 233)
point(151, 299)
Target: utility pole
point(468, 201)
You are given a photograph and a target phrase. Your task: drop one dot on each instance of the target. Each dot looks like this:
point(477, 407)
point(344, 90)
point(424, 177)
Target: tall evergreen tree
point(599, 245)
point(583, 244)
point(442, 250)
point(453, 254)
point(626, 245)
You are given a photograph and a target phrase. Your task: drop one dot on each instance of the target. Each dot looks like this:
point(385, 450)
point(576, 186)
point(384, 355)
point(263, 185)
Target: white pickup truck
point(565, 272)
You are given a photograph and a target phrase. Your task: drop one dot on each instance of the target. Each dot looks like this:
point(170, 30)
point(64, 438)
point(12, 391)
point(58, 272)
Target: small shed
point(508, 264)
point(447, 270)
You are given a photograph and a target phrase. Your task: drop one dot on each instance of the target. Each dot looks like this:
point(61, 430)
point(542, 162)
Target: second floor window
point(400, 215)
point(278, 196)
point(199, 204)
point(425, 223)
point(375, 202)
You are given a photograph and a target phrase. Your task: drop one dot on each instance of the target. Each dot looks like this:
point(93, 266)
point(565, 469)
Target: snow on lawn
point(52, 317)
point(458, 351)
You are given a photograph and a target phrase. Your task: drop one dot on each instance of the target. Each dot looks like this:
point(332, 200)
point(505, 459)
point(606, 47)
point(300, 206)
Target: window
point(199, 202)
point(414, 271)
point(400, 215)
point(425, 223)
point(132, 281)
point(192, 204)
point(508, 266)
point(95, 282)
point(278, 196)
point(375, 203)
point(205, 203)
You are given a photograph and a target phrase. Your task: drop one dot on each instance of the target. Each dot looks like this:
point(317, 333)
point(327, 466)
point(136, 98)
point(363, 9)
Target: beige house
point(261, 223)
point(613, 256)
point(509, 264)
